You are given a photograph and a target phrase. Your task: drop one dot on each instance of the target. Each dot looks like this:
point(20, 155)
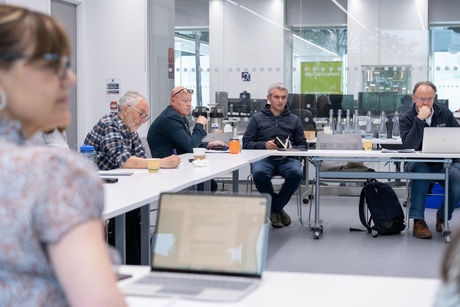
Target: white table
point(142, 189)
point(307, 289)
point(318, 156)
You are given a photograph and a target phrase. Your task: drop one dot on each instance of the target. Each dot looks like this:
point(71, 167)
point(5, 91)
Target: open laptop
point(441, 140)
point(207, 246)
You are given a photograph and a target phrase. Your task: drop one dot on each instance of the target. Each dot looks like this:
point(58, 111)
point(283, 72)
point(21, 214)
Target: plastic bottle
point(369, 133)
point(331, 121)
point(383, 126)
point(356, 123)
point(348, 128)
point(395, 133)
point(88, 152)
point(338, 127)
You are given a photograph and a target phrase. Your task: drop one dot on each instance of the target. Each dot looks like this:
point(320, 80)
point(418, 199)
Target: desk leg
point(235, 180)
point(317, 226)
point(120, 237)
point(145, 235)
point(446, 231)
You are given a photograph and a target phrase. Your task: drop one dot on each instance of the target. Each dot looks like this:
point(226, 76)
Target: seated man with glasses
point(170, 132)
point(118, 145)
point(426, 113)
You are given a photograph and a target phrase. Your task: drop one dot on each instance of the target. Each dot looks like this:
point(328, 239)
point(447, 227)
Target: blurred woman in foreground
point(52, 249)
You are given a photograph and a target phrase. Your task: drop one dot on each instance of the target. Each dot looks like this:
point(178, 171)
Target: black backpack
point(386, 215)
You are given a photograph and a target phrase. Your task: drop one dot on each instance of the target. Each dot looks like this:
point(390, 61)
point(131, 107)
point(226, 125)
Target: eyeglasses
point(143, 115)
point(185, 90)
point(429, 99)
point(59, 64)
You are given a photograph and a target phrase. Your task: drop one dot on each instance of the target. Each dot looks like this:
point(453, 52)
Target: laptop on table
point(441, 140)
point(207, 246)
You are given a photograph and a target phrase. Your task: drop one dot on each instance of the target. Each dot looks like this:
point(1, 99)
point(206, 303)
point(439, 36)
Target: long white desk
point(142, 189)
point(306, 289)
point(318, 156)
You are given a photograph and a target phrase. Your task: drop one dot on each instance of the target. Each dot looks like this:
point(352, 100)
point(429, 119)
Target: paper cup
point(153, 165)
point(199, 153)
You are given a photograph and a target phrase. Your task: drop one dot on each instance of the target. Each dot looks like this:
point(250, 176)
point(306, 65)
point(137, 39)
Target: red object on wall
point(113, 105)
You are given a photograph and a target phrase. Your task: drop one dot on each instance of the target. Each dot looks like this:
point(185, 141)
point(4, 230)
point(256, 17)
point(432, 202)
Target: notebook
point(207, 246)
point(441, 140)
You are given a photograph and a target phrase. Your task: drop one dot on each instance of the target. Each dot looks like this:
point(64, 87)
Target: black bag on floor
point(386, 215)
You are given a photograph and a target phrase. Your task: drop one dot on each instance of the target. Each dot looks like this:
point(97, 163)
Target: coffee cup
point(199, 153)
point(153, 165)
point(367, 144)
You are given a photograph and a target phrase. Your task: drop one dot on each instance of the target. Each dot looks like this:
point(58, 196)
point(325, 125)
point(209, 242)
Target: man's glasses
point(185, 90)
point(59, 64)
point(143, 115)
point(429, 99)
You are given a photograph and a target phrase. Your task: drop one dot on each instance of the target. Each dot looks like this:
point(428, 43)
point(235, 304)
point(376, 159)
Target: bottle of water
point(348, 128)
point(88, 152)
point(331, 121)
point(383, 126)
point(369, 133)
point(395, 133)
point(338, 127)
point(356, 123)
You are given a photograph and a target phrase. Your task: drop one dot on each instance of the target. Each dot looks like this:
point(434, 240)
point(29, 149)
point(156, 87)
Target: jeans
point(419, 189)
point(289, 168)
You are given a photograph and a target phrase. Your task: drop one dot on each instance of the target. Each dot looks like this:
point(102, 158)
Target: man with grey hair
point(115, 138)
point(266, 130)
point(118, 145)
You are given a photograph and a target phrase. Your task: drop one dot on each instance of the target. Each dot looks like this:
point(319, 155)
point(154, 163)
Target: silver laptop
point(441, 140)
point(207, 246)
point(224, 137)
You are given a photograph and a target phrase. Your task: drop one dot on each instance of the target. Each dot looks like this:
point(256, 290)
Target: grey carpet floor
point(340, 251)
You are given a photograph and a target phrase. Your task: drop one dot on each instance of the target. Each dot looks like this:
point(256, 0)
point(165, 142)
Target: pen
point(174, 151)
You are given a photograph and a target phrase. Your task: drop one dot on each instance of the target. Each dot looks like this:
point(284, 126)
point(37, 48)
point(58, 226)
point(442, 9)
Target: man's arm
point(411, 128)
point(250, 138)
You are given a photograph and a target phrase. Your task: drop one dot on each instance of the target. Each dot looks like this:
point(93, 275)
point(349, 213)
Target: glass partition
point(363, 55)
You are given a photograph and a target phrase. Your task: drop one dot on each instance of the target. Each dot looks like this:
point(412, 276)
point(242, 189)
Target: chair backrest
point(146, 147)
point(339, 141)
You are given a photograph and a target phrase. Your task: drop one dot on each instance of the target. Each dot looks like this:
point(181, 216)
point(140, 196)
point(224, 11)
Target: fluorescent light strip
point(419, 13)
point(314, 45)
point(349, 15)
point(258, 15)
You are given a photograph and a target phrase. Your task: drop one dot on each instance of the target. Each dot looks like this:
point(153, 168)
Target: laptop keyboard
point(194, 282)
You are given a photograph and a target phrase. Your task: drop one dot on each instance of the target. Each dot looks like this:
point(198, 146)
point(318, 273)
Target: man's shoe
point(438, 224)
point(421, 230)
point(275, 219)
point(285, 218)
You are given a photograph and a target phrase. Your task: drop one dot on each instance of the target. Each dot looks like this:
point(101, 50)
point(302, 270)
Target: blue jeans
point(419, 188)
point(289, 168)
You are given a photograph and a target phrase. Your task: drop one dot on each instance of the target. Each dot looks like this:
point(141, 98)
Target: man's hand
point(170, 162)
point(424, 112)
point(216, 143)
point(271, 145)
point(202, 120)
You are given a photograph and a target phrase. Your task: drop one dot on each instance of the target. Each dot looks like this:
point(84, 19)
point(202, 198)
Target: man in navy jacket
point(425, 113)
point(266, 130)
point(170, 132)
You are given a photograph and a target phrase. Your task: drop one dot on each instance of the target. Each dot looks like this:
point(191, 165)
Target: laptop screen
point(441, 140)
point(211, 233)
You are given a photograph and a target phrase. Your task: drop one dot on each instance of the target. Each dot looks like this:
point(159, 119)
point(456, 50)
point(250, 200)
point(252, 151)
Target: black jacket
point(412, 127)
point(264, 126)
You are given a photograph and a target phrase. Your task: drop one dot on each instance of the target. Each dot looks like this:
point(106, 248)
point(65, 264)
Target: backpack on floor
point(386, 215)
